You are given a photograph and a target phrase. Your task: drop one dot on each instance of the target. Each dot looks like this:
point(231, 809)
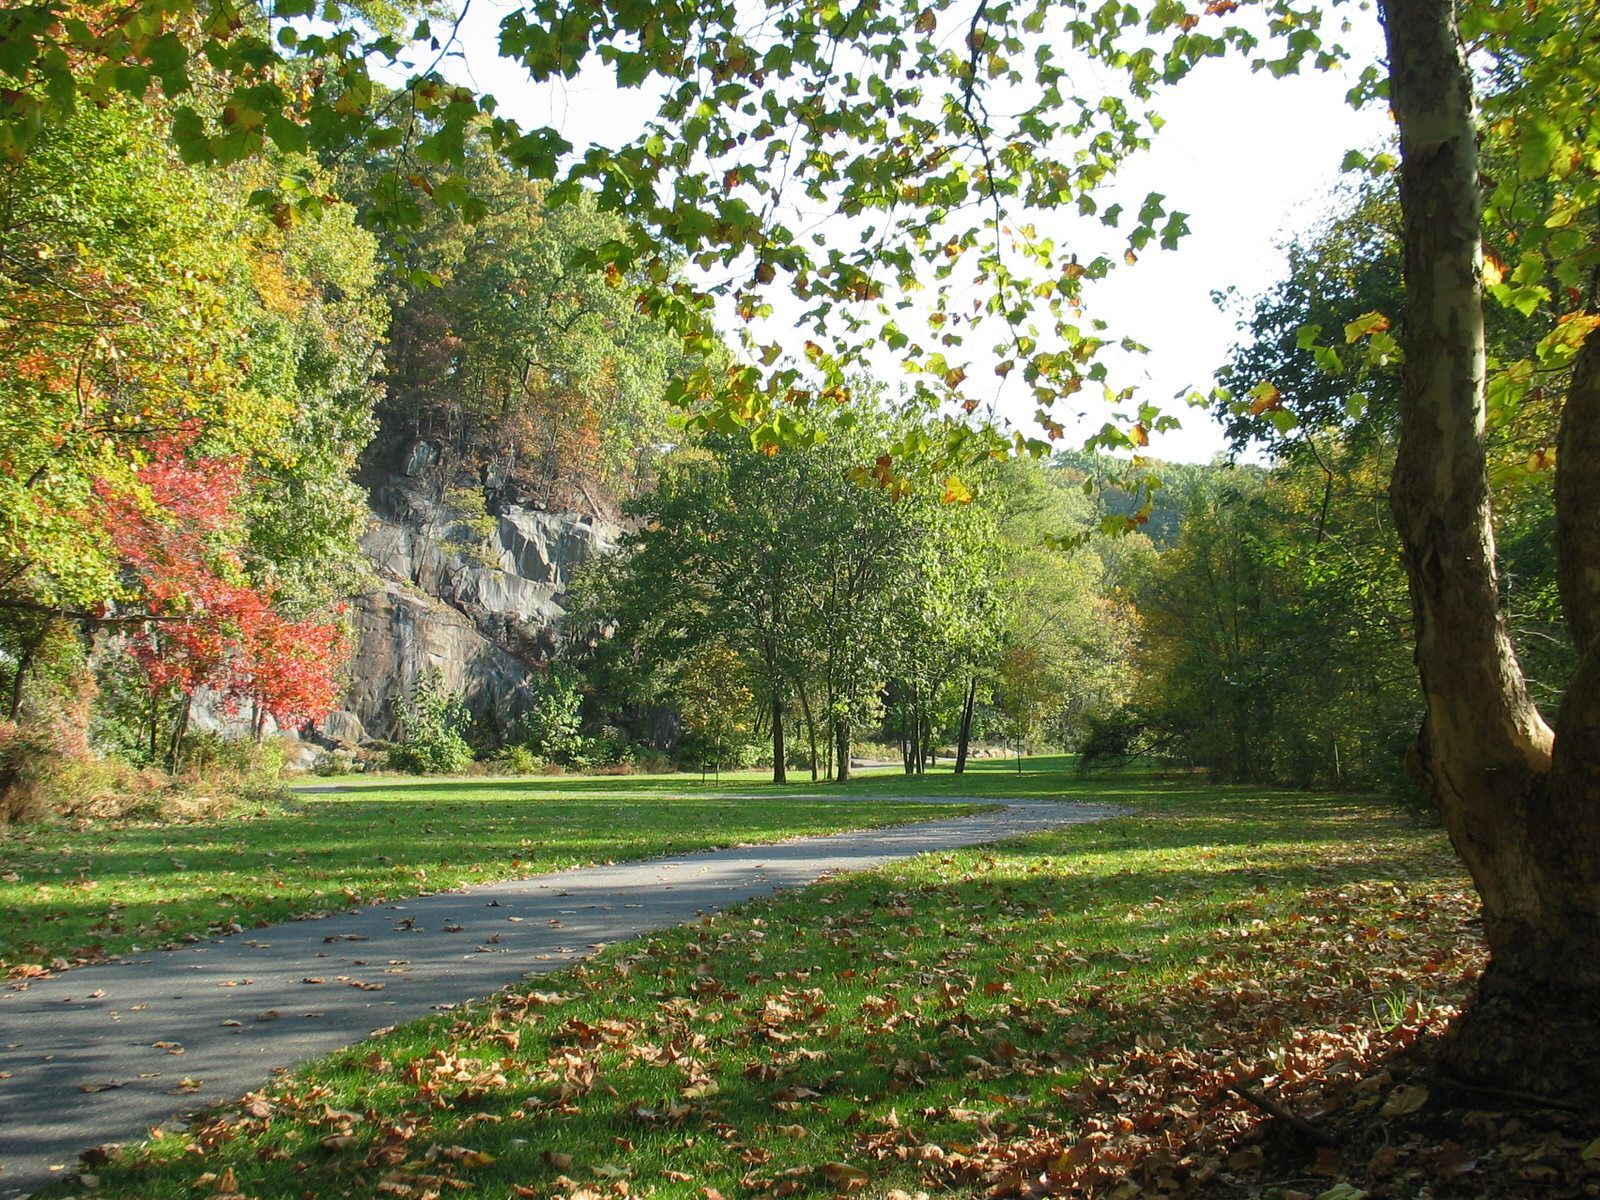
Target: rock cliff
point(470, 585)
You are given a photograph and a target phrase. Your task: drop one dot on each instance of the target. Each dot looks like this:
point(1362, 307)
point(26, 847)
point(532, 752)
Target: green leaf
point(1542, 140)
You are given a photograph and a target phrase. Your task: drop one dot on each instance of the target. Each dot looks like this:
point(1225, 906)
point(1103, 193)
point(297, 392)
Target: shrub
point(519, 760)
point(1112, 737)
point(209, 756)
point(431, 731)
point(333, 762)
point(549, 729)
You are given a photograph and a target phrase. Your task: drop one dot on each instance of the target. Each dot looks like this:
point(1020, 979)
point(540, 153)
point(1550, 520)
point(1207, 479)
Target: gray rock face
point(342, 725)
point(480, 600)
point(547, 547)
point(419, 456)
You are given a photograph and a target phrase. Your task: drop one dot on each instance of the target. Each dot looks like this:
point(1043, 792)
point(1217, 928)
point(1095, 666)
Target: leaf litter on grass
point(1068, 1016)
point(81, 891)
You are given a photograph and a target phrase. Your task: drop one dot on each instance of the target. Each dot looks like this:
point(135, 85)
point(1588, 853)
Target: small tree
point(209, 626)
point(716, 704)
point(550, 728)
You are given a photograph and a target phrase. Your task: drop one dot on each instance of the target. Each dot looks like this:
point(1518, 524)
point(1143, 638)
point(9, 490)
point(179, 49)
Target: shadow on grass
point(976, 982)
point(76, 890)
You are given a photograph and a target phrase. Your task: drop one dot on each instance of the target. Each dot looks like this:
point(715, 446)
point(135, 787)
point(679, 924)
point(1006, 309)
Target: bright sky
point(1252, 159)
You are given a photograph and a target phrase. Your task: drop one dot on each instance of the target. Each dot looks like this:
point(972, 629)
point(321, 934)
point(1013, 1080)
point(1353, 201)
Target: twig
point(1294, 1121)
point(1511, 1094)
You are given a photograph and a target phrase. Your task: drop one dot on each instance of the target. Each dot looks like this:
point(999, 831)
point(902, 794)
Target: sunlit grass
point(819, 1042)
point(86, 889)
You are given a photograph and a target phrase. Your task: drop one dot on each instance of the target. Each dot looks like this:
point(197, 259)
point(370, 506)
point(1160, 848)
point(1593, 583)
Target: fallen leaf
point(844, 1175)
point(1403, 1101)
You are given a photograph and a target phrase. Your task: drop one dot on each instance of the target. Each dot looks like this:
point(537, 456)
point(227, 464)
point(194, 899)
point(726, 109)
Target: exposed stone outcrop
point(477, 595)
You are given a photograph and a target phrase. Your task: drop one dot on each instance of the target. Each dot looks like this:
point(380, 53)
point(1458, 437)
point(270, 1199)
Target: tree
point(185, 387)
point(716, 707)
point(550, 727)
point(828, 578)
point(201, 624)
point(879, 141)
point(432, 730)
point(1272, 571)
point(720, 559)
point(1521, 801)
point(540, 373)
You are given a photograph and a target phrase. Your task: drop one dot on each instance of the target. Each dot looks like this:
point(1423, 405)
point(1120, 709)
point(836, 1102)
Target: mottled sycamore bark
point(1519, 801)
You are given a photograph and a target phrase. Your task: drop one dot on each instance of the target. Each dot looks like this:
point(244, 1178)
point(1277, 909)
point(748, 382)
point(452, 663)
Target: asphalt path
point(102, 1053)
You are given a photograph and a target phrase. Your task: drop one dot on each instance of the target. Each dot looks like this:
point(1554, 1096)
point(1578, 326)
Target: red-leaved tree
point(208, 626)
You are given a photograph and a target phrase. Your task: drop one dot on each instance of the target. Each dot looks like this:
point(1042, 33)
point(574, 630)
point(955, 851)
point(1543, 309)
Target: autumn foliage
point(209, 626)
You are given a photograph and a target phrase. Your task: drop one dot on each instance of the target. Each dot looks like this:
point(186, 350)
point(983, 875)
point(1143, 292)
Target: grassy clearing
point(1056, 1016)
point(82, 890)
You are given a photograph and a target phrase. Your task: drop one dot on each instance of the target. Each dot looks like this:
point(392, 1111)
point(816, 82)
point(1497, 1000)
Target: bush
point(519, 760)
point(1112, 737)
point(549, 730)
point(333, 762)
point(431, 731)
point(209, 756)
point(40, 777)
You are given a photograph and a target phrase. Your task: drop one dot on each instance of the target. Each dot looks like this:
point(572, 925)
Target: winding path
point(101, 1053)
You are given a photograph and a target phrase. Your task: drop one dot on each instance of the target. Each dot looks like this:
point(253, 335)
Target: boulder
point(342, 726)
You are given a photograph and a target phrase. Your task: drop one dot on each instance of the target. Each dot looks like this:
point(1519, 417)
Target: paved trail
point(101, 1053)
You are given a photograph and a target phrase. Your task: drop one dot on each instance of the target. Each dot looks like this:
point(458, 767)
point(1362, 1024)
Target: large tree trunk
point(841, 741)
point(1530, 837)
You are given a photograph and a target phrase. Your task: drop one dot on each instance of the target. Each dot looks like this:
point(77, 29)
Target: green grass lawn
point(81, 890)
point(1068, 1006)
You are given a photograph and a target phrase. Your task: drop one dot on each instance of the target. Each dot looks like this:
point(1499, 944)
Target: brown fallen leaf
point(844, 1175)
point(1404, 1100)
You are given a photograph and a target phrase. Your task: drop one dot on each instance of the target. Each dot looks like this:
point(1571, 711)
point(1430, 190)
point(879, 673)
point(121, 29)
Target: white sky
point(1250, 158)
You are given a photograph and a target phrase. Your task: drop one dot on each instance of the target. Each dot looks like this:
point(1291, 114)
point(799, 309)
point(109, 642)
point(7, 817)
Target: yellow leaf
point(1264, 396)
point(956, 492)
point(1365, 325)
point(1405, 1100)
